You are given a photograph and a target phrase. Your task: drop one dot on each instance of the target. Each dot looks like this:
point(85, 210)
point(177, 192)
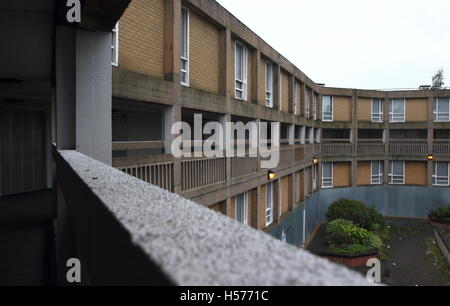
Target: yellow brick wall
point(204, 54)
point(141, 38)
point(364, 173)
point(262, 207)
point(416, 173)
point(342, 108)
point(364, 109)
point(341, 174)
point(416, 110)
point(262, 81)
point(284, 92)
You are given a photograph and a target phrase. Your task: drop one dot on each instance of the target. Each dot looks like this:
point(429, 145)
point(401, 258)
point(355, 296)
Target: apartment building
point(175, 59)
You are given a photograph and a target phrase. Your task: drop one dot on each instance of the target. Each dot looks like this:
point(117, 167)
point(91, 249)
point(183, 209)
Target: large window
point(241, 71)
point(308, 103)
point(269, 84)
point(269, 204)
point(185, 47)
point(327, 108)
point(314, 106)
point(440, 174)
point(377, 173)
point(397, 110)
point(327, 175)
point(397, 173)
point(377, 110)
point(242, 208)
point(115, 45)
point(442, 110)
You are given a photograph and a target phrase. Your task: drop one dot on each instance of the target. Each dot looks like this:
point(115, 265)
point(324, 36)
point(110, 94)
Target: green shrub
point(345, 237)
point(441, 214)
point(356, 212)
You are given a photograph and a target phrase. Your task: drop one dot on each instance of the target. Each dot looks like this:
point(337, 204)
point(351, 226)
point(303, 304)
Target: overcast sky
point(367, 44)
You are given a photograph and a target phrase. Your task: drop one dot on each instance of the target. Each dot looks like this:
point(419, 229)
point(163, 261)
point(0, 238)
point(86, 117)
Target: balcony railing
point(198, 173)
point(160, 174)
point(420, 149)
point(336, 149)
point(153, 237)
point(241, 166)
point(370, 149)
point(441, 149)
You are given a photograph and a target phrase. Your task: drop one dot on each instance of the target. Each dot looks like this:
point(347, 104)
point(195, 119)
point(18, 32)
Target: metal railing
point(160, 174)
point(408, 148)
point(371, 149)
point(241, 166)
point(336, 149)
point(198, 173)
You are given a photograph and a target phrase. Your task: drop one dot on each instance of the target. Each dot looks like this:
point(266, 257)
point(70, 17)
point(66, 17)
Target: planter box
point(443, 241)
point(443, 223)
point(351, 262)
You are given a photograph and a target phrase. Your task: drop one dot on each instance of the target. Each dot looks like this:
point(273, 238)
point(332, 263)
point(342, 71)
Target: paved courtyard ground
point(412, 257)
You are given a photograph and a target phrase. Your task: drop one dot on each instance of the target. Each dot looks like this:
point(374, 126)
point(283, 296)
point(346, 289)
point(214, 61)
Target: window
point(440, 174)
point(269, 204)
point(314, 178)
point(397, 110)
point(327, 175)
point(242, 208)
point(377, 173)
point(185, 47)
point(397, 173)
point(269, 84)
point(314, 106)
point(308, 103)
point(327, 108)
point(115, 45)
point(442, 110)
point(241, 72)
point(377, 110)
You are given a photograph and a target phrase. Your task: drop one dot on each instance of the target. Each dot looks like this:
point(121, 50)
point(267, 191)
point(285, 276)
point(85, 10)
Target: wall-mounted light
point(315, 160)
point(271, 175)
point(430, 157)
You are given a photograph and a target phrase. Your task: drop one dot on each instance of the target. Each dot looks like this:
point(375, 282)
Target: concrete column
point(430, 140)
point(256, 209)
point(172, 115)
point(276, 201)
point(94, 95)
point(291, 94)
point(65, 88)
point(172, 40)
point(256, 81)
point(226, 87)
point(227, 138)
point(354, 164)
point(277, 87)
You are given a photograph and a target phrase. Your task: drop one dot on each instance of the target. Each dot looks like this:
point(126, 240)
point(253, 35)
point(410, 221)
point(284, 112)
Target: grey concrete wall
point(392, 201)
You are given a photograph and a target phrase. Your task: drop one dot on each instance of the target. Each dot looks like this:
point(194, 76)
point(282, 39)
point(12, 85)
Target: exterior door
point(22, 151)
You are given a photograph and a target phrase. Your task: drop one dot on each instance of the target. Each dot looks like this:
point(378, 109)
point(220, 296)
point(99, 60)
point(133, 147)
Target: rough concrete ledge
point(191, 244)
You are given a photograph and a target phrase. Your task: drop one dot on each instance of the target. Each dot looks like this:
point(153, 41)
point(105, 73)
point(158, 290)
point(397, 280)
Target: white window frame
point(314, 178)
point(269, 204)
point(377, 116)
point(441, 117)
point(397, 117)
point(269, 84)
point(442, 181)
point(244, 80)
point(327, 182)
point(324, 117)
point(244, 213)
point(185, 58)
point(396, 179)
point(376, 178)
point(115, 46)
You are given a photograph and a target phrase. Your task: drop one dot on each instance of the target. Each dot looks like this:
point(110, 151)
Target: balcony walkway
point(152, 237)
